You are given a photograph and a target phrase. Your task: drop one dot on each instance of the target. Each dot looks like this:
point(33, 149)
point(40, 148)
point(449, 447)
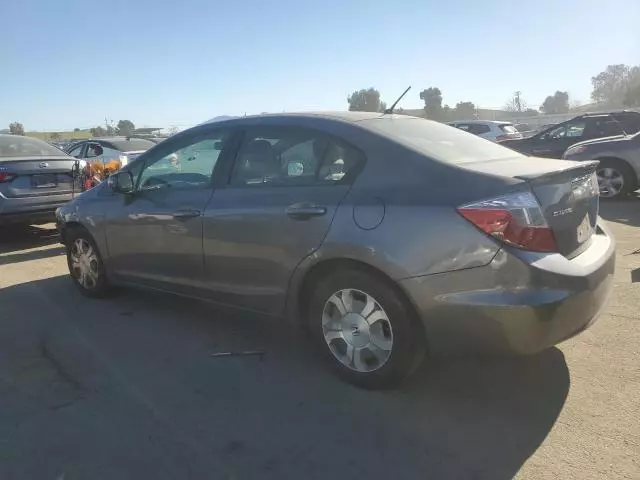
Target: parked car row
point(607, 137)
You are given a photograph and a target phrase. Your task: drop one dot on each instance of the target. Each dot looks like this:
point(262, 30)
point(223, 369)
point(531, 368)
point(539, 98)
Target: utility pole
point(518, 103)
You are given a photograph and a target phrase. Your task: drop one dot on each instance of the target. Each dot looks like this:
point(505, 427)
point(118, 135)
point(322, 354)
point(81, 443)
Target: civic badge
point(43, 165)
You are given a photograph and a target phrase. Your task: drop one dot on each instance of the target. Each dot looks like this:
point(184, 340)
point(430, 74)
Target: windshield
point(132, 144)
point(438, 141)
point(19, 146)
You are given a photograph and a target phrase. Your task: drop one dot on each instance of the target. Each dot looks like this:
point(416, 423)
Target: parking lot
point(128, 388)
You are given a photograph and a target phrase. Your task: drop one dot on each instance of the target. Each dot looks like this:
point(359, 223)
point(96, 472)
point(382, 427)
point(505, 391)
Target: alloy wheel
point(357, 330)
point(610, 181)
point(84, 264)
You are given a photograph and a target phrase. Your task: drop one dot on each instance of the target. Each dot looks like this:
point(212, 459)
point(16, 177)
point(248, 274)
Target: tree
point(125, 127)
point(465, 110)
point(76, 129)
point(16, 128)
point(383, 107)
point(98, 131)
point(111, 131)
point(556, 103)
point(516, 104)
point(632, 93)
point(365, 100)
point(55, 136)
point(432, 98)
point(611, 86)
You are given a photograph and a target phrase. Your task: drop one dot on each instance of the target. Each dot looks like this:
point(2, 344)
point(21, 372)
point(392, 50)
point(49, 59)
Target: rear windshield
point(508, 128)
point(131, 145)
point(439, 141)
point(19, 146)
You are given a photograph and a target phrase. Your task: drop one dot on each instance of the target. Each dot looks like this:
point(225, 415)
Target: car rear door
point(275, 210)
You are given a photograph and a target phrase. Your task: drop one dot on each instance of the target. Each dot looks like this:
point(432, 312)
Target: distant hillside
point(62, 135)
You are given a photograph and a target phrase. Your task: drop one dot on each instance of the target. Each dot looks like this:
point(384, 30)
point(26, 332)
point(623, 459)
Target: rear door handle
point(303, 211)
point(185, 214)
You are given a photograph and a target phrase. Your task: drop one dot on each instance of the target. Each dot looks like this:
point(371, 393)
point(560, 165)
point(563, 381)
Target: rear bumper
point(519, 303)
point(31, 209)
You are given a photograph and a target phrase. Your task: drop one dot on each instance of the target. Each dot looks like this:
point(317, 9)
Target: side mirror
point(121, 182)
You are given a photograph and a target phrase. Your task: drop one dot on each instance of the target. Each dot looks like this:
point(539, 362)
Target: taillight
point(515, 219)
point(6, 177)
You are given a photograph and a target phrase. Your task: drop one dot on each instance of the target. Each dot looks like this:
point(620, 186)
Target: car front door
point(154, 235)
point(275, 210)
point(555, 141)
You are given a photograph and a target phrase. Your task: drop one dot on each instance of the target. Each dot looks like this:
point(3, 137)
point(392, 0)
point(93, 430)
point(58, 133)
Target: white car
point(494, 131)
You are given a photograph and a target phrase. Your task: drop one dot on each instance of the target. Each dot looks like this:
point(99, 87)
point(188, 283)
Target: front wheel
point(365, 329)
point(85, 264)
point(615, 178)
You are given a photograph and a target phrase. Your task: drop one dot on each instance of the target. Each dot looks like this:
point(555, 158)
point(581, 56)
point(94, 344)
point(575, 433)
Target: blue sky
point(71, 63)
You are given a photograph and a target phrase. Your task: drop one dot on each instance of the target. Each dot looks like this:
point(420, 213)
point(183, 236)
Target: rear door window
point(479, 128)
point(508, 128)
point(293, 156)
point(605, 126)
point(630, 122)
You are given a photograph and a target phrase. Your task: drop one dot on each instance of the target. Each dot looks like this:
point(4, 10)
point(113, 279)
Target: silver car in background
point(619, 156)
point(121, 149)
point(495, 131)
point(355, 226)
point(35, 179)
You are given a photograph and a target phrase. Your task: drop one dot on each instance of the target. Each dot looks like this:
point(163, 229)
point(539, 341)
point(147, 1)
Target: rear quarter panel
point(400, 218)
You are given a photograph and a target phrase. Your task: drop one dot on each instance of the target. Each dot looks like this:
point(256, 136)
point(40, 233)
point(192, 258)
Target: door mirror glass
point(121, 182)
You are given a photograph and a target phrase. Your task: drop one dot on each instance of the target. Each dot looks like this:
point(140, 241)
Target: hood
point(594, 141)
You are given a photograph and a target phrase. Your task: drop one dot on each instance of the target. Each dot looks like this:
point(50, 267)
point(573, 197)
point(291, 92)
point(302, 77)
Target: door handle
point(304, 211)
point(185, 214)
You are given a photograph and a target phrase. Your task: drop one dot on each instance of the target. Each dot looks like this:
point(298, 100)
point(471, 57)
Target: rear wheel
point(615, 178)
point(365, 329)
point(85, 264)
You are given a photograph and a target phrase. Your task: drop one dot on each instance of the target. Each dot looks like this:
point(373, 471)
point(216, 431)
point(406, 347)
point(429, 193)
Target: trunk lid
point(35, 176)
point(567, 192)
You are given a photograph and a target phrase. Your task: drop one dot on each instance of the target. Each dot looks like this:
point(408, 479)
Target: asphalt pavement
point(131, 388)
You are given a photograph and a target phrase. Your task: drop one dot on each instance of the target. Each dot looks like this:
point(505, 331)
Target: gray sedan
point(619, 158)
point(355, 226)
point(35, 179)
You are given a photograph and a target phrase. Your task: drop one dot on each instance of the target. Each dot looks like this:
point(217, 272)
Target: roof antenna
point(390, 109)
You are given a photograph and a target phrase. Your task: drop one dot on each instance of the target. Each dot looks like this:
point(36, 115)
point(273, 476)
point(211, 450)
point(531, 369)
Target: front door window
point(187, 166)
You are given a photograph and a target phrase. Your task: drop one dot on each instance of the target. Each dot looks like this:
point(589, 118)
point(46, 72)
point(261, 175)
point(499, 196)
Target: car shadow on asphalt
point(280, 414)
point(14, 240)
point(626, 212)
point(20, 237)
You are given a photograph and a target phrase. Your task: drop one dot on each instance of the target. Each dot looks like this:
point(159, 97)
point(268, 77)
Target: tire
point(87, 271)
point(342, 338)
point(616, 170)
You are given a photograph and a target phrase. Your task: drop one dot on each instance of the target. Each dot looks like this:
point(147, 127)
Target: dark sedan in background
point(619, 169)
point(554, 141)
point(35, 179)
